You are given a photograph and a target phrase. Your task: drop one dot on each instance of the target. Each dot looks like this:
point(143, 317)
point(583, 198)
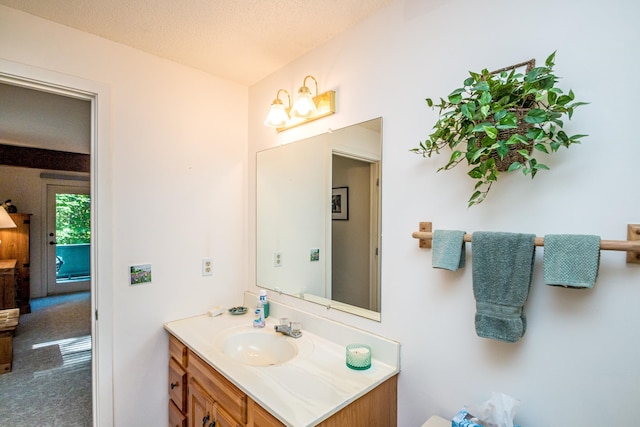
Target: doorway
point(354, 241)
point(68, 245)
point(98, 94)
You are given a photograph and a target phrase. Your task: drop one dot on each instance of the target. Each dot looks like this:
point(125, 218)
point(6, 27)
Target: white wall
point(177, 153)
point(577, 363)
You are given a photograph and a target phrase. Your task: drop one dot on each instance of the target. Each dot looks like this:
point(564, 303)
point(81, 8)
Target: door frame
point(101, 220)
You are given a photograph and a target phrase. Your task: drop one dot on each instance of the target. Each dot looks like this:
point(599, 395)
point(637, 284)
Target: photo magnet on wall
point(140, 274)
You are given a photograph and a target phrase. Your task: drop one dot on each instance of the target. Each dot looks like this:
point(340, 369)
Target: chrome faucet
point(288, 328)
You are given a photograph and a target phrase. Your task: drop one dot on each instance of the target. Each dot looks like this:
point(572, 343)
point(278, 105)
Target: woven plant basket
point(513, 156)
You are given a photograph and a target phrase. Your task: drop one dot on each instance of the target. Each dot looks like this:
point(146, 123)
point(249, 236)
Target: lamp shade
point(304, 107)
point(5, 220)
point(277, 116)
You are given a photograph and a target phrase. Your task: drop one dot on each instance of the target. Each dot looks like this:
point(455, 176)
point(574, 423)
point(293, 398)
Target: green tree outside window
point(73, 219)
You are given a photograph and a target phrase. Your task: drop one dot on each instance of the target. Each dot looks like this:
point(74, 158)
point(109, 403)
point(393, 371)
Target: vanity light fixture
point(305, 109)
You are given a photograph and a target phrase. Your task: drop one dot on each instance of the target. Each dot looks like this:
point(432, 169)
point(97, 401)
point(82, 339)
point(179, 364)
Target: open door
point(68, 238)
point(354, 236)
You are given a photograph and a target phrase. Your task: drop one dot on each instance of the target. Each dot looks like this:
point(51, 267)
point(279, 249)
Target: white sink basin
point(258, 347)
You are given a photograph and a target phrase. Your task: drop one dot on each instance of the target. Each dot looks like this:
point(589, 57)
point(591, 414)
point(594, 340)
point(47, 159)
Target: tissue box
point(464, 419)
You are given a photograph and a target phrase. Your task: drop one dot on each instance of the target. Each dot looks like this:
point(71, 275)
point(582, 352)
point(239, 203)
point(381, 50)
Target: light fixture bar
point(326, 105)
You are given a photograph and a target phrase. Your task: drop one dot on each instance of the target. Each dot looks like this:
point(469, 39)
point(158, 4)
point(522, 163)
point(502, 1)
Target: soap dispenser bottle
point(265, 303)
point(258, 321)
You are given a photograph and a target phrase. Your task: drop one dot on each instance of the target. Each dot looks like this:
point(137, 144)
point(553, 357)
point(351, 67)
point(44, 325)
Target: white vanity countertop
point(305, 390)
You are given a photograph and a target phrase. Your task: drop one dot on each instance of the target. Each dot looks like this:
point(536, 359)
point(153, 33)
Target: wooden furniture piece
point(15, 245)
point(8, 283)
point(212, 400)
point(8, 322)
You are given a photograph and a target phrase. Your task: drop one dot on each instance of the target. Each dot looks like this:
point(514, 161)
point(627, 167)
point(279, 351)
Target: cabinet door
point(227, 395)
point(223, 419)
point(201, 410)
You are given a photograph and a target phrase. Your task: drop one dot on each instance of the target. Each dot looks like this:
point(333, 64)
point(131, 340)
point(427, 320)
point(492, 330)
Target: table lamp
point(6, 221)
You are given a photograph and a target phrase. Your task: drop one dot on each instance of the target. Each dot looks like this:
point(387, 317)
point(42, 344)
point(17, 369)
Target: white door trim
point(101, 219)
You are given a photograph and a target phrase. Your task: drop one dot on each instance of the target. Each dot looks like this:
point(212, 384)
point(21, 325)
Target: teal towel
point(502, 269)
point(571, 260)
point(448, 249)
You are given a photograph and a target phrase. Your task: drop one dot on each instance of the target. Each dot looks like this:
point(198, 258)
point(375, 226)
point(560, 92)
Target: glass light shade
point(277, 116)
point(5, 220)
point(304, 107)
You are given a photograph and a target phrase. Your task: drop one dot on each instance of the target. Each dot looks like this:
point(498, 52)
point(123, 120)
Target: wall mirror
point(318, 218)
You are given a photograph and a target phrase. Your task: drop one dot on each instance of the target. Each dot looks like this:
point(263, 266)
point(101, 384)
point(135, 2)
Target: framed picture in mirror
point(340, 203)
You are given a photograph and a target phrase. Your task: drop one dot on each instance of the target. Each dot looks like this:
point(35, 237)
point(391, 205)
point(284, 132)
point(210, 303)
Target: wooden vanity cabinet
point(202, 397)
point(378, 408)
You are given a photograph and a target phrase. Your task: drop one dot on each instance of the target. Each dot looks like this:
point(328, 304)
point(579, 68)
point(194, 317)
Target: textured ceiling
point(239, 40)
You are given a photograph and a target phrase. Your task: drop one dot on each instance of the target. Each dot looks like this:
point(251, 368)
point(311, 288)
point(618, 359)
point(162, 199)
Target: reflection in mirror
point(318, 218)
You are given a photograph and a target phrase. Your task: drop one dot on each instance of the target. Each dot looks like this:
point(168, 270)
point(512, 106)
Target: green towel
point(571, 260)
point(448, 249)
point(502, 269)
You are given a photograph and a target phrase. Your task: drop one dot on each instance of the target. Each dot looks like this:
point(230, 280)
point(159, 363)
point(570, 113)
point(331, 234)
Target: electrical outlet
point(277, 259)
point(207, 267)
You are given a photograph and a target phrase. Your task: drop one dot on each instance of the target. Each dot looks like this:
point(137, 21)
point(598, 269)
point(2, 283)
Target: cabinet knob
point(174, 385)
point(205, 419)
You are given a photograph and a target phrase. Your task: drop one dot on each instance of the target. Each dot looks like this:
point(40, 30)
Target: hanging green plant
point(498, 120)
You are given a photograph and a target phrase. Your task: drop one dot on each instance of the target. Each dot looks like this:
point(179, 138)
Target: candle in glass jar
point(358, 356)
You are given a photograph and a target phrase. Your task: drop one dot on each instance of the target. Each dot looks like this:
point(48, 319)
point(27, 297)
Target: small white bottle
point(258, 321)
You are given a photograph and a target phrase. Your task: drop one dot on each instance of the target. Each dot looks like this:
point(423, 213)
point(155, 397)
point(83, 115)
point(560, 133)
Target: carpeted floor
point(50, 383)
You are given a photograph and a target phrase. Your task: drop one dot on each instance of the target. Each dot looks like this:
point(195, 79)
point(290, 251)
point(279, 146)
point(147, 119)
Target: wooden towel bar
point(630, 246)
